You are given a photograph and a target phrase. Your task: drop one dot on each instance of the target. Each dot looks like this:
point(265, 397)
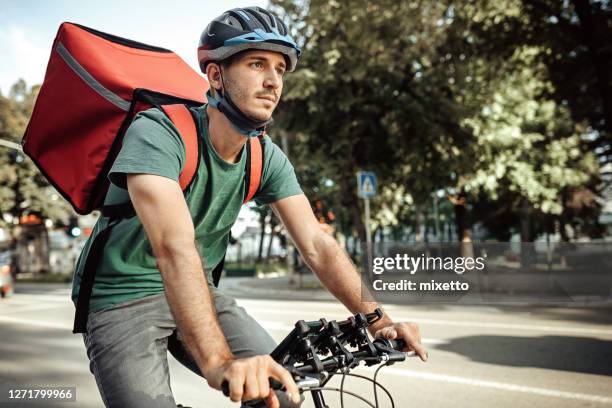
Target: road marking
point(274, 326)
point(32, 297)
point(18, 308)
point(36, 323)
point(546, 392)
point(511, 326)
point(459, 323)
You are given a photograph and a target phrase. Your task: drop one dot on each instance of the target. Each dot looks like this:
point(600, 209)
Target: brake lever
point(307, 383)
point(302, 380)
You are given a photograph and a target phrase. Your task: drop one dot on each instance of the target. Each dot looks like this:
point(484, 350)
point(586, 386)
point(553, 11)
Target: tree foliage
point(23, 189)
point(529, 146)
point(434, 95)
point(572, 39)
point(378, 88)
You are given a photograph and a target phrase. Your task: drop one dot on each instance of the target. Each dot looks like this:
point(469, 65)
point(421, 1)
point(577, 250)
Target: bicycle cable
point(375, 389)
point(376, 384)
point(348, 392)
point(344, 372)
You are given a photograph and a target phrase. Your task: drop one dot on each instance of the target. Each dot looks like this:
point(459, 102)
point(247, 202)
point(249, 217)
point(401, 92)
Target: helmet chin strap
point(243, 124)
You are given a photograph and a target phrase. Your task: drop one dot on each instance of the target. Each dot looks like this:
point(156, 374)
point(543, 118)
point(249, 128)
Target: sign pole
point(368, 232)
point(366, 189)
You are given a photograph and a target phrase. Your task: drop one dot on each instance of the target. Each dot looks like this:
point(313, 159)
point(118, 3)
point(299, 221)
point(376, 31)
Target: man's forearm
point(335, 270)
point(192, 306)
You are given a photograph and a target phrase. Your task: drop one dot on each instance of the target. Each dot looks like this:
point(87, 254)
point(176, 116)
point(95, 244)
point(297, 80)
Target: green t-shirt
point(152, 145)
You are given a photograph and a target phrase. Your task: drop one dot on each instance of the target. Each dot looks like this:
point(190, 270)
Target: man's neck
point(226, 140)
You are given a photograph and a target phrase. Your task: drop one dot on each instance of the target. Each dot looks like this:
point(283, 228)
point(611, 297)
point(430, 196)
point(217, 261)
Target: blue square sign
point(366, 182)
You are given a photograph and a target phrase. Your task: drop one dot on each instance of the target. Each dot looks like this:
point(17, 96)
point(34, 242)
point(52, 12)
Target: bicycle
point(315, 351)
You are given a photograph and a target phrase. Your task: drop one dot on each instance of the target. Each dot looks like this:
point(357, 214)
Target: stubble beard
point(240, 97)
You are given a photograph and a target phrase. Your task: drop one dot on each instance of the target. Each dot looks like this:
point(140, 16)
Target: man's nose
point(273, 79)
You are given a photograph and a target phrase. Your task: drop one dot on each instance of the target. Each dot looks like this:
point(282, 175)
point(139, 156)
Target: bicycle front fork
point(317, 397)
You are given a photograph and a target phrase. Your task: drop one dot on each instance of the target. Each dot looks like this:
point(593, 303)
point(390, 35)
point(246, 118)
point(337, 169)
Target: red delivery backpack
point(94, 86)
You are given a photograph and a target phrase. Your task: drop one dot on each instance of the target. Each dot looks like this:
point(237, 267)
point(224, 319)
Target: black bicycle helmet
point(246, 28)
point(236, 30)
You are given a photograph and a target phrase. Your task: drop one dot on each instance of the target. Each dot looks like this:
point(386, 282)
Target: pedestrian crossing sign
point(366, 182)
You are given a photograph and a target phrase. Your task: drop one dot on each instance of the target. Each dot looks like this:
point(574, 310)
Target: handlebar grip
point(396, 357)
point(398, 344)
point(392, 348)
point(276, 385)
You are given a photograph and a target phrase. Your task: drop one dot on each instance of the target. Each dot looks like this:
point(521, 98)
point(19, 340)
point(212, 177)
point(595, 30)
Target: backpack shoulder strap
point(184, 121)
point(181, 117)
point(252, 181)
point(254, 166)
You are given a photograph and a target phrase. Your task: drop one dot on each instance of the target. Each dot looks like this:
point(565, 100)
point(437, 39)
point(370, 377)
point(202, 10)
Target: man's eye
point(280, 72)
point(257, 65)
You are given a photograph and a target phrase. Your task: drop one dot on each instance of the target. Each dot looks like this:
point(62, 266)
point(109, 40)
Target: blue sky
point(27, 28)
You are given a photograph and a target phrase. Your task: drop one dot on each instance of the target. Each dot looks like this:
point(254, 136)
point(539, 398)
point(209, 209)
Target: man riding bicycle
point(153, 291)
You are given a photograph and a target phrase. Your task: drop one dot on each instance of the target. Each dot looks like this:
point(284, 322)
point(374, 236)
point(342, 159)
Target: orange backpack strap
point(254, 166)
point(181, 116)
point(252, 181)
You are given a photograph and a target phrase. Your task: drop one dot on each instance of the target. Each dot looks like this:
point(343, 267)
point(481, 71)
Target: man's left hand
point(409, 332)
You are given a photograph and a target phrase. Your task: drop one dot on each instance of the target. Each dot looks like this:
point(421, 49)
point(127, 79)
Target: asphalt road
point(479, 356)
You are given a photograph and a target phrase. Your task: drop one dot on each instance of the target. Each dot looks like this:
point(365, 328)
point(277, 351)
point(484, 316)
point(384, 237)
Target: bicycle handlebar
point(387, 351)
point(382, 351)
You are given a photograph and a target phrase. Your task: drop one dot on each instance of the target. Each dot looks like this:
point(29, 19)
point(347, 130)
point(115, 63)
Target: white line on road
point(39, 297)
point(19, 308)
point(511, 326)
point(269, 325)
point(35, 323)
point(547, 392)
point(460, 323)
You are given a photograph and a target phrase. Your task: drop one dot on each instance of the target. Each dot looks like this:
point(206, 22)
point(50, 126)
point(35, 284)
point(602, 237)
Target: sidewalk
point(276, 288)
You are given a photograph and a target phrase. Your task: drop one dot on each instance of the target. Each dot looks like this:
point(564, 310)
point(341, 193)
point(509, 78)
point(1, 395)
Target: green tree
point(431, 95)
point(572, 38)
point(379, 87)
point(23, 189)
point(531, 151)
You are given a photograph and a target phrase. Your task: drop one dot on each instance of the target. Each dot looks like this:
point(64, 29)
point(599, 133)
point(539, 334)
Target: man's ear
point(213, 73)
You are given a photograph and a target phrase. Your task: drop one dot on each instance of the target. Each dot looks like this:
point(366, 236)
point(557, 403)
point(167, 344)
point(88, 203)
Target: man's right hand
point(249, 379)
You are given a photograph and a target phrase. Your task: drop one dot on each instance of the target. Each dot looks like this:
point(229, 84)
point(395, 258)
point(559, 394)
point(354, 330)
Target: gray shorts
point(127, 347)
